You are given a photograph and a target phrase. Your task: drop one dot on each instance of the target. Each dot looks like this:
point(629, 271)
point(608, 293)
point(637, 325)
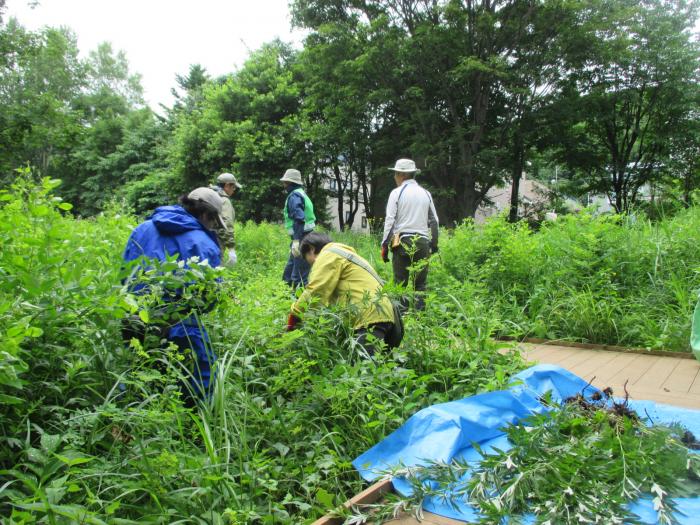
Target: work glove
point(232, 257)
point(296, 252)
point(385, 253)
point(292, 322)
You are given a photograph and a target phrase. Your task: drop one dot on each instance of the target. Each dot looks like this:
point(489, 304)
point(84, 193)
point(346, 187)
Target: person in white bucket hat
point(410, 230)
point(299, 220)
point(226, 186)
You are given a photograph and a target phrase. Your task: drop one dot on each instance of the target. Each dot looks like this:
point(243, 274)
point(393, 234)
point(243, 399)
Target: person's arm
point(433, 224)
point(323, 280)
point(390, 217)
point(295, 209)
point(227, 238)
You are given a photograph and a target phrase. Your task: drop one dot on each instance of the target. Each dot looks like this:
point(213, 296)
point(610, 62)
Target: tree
point(442, 70)
point(249, 123)
point(340, 104)
point(42, 75)
point(626, 93)
point(188, 93)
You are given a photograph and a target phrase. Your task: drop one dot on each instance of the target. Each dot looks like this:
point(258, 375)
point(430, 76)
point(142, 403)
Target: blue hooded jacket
point(171, 230)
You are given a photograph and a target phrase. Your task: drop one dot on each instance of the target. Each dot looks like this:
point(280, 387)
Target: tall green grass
point(602, 279)
point(289, 411)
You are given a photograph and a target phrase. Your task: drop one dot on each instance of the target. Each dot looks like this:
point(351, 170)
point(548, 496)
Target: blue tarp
point(446, 431)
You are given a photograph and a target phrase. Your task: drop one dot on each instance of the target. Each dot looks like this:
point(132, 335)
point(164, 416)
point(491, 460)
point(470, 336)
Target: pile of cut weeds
point(583, 462)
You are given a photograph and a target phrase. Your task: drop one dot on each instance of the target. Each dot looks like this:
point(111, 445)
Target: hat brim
point(405, 171)
point(238, 185)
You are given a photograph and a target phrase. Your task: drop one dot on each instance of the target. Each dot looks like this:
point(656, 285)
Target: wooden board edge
point(369, 495)
point(592, 346)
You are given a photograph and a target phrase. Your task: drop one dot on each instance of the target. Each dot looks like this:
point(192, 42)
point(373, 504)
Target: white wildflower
point(194, 259)
point(180, 264)
point(205, 262)
point(569, 491)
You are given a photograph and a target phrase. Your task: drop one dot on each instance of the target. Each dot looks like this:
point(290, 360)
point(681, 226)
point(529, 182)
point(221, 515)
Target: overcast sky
point(162, 38)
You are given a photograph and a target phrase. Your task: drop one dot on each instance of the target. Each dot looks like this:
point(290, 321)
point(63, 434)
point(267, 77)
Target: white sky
point(162, 38)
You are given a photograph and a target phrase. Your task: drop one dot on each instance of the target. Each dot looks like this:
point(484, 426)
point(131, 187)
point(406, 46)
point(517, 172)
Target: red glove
point(385, 253)
point(292, 322)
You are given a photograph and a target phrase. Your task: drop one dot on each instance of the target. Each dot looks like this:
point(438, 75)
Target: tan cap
point(212, 201)
point(226, 178)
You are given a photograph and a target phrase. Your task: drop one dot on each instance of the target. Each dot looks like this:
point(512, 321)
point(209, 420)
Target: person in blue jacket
point(299, 220)
point(184, 231)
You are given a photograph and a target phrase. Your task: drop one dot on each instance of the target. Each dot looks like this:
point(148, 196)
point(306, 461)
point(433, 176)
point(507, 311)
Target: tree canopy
point(604, 92)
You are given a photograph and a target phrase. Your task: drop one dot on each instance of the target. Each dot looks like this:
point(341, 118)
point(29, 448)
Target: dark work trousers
point(296, 272)
point(378, 330)
point(414, 251)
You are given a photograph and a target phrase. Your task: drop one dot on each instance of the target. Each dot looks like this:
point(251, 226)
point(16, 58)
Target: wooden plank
point(614, 367)
point(660, 396)
point(428, 519)
point(553, 355)
point(695, 387)
point(597, 346)
point(587, 369)
point(636, 369)
point(369, 495)
point(682, 377)
point(579, 357)
point(659, 373)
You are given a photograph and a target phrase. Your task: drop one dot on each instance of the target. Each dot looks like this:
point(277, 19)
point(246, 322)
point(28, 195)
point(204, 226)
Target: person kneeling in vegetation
point(340, 276)
point(182, 237)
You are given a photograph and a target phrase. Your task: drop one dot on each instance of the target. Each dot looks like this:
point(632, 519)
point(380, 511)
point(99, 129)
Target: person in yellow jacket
point(340, 276)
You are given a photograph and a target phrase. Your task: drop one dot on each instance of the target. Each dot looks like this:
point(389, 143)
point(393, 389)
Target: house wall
point(359, 225)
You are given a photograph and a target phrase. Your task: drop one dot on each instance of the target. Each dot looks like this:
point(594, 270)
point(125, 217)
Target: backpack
point(394, 336)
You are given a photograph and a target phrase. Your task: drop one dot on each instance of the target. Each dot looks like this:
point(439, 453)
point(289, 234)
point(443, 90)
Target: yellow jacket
point(336, 280)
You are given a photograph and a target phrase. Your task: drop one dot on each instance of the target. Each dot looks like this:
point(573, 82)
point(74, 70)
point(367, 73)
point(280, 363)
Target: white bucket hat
point(292, 176)
point(405, 166)
point(226, 178)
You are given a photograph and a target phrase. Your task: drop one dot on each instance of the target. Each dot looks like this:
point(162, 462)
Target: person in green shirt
point(299, 220)
point(340, 276)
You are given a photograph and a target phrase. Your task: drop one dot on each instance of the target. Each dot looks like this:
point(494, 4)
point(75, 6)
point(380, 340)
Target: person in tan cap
point(410, 229)
point(226, 186)
point(299, 220)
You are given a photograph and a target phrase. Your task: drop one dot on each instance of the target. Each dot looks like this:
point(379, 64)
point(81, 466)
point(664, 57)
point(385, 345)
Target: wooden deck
point(670, 379)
